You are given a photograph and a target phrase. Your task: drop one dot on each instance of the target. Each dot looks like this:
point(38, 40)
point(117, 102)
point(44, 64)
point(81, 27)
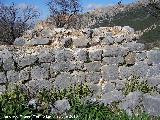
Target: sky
point(86, 4)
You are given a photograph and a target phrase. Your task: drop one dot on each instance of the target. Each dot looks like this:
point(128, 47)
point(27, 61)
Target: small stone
point(24, 74)
point(46, 57)
point(113, 60)
point(8, 64)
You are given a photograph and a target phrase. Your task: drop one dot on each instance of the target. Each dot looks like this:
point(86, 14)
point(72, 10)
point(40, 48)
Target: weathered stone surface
point(125, 72)
point(81, 55)
point(27, 60)
point(140, 69)
point(130, 59)
point(2, 89)
point(46, 57)
point(113, 60)
point(61, 106)
point(141, 56)
point(80, 43)
point(63, 80)
point(114, 52)
point(67, 42)
point(131, 101)
point(154, 70)
point(93, 77)
point(108, 40)
point(151, 105)
point(153, 81)
point(128, 30)
point(113, 96)
point(24, 74)
point(153, 57)
point(95, 55)
point(133, 46)
point(120, 84)
point(64, 55)
point(8, 64)
point(3, 77)
point(93, 66)
point(19, 42)
point(38, 73)
point(119, 39)
point(5, 54)
point(79, 77)
point(37, 85)
point(110, 72)
point(37, 41)
point(12, 76)
point(58, 67)
point(108, 87)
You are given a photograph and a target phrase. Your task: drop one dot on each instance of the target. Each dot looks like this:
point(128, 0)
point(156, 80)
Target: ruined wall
point(105, 58)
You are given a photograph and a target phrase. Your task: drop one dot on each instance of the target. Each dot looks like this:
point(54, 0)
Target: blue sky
point(43, 9)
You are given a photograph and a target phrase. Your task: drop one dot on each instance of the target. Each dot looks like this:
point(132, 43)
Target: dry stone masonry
point(106, 58)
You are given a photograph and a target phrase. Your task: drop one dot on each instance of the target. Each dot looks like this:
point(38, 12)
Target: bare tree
point(15, 20)
point(64, 12)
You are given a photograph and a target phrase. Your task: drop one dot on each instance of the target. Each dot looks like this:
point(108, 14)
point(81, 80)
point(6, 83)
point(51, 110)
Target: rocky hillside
point(133, 15)
point(109, 59)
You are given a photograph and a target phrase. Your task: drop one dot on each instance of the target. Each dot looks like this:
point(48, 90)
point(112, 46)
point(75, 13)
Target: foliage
point(15, 103)
point(135, 85)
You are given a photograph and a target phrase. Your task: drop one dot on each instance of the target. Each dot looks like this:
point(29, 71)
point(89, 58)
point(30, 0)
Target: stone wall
point(105, 58)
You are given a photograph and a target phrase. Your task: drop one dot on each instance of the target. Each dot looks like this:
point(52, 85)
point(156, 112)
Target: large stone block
point(93, 77)
point(110, 72)
point(113, 60)
point(37, 41)
point(79, 77)
point(153, 57)
point(27, 61)
point(133, 46)
point(131, 101)
point(140, 69)
point(19, 42)
point(25, 74)
point(37, 85)
point(58, 67)
point(95, 55)
point(64, 55)
point(63, 81)
point(38, 73)
point(113, 96)
point(114, 52)
point(125, 72)
point(8, 64)
point(92, 66)
point(46, 57)
point(108, 87)
point(61, 106)
point(108, 40)
point(12, 76)
point(151, 105)
point(81, 43)
point(3, 77)
point(154, 70)
point(81, 55)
